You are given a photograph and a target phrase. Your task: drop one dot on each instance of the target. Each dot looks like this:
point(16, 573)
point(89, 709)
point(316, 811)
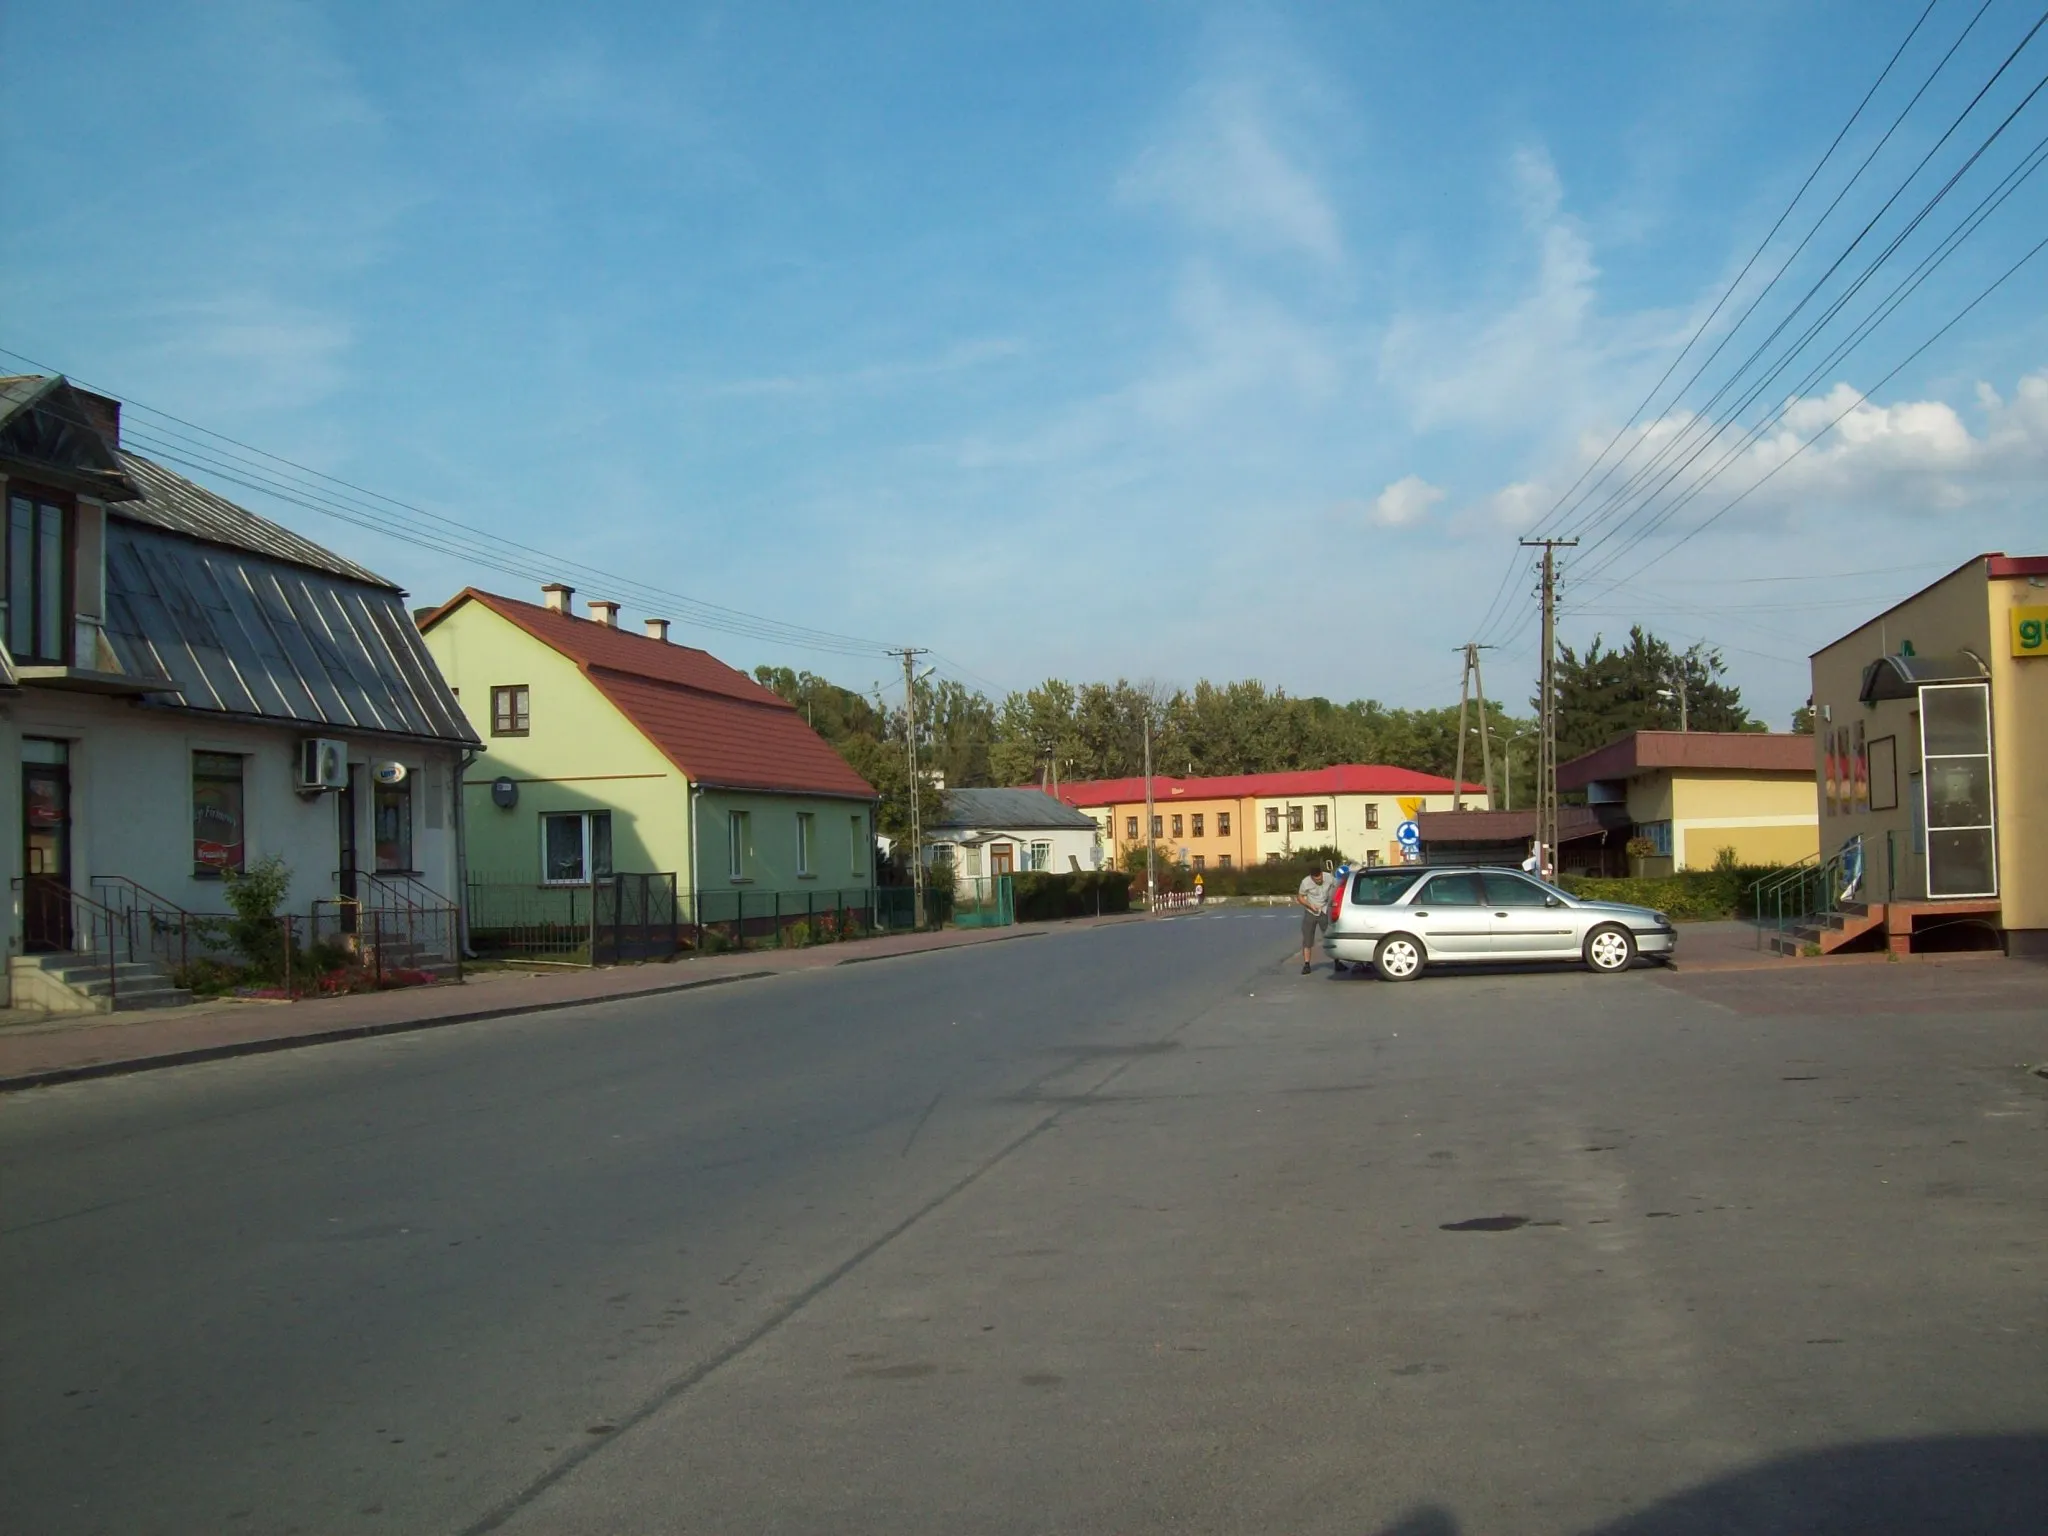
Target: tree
point(1605, 694)
point(1802, 719)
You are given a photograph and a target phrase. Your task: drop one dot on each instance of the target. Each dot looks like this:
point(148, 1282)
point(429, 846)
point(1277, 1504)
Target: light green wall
point(772, 834)
point(581, 754)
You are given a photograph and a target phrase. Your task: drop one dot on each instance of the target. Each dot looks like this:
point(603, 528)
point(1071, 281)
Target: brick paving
point(54, 1050)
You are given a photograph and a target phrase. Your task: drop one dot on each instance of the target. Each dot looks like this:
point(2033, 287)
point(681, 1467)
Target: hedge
point(1691, 893)
point(1043, 896)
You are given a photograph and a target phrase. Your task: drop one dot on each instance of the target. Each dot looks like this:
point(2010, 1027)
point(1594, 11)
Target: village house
point(189, 689)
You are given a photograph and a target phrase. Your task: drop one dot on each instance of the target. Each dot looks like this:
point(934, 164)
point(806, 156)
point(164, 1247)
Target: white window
point(804, 822)
point(1040, 856)
point(574, 846)
point(971, 865)
point(736, 840)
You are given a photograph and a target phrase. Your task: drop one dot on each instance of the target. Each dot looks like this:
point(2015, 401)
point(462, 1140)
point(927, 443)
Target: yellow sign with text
point(2030, 631)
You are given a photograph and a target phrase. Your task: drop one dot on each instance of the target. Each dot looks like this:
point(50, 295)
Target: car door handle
point(1500, 914)
point(1421, 914)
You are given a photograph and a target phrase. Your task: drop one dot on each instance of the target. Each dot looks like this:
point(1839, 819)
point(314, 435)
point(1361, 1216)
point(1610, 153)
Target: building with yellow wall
point(1692, 794)
point(1931, 746)
point(1238, 819)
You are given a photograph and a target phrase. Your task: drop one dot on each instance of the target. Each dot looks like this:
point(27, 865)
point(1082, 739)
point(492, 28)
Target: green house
point(610, 753)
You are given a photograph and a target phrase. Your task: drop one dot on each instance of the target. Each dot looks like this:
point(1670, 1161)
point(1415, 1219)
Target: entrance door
point(45, 846)
point(1002, 859)
point(345, 874)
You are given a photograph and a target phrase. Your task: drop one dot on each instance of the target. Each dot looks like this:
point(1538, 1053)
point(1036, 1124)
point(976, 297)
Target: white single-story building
point(1003, 831)
point(188, 689)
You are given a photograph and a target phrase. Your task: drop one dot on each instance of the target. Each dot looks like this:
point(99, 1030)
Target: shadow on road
point(1441, 971)
point(1991, 1485)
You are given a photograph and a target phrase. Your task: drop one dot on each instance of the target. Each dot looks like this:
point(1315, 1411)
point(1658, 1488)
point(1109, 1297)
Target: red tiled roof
point(1343, 779)
point(1740, 751)
point(716, 724)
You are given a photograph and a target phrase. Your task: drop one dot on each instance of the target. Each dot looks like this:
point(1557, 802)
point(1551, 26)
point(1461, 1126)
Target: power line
point(1487, 619)
point(301, 486)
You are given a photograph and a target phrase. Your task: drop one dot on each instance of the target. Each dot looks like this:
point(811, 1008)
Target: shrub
point(1697, 894)
point(1047, 896)
point(254, 893)
point(1281, 879)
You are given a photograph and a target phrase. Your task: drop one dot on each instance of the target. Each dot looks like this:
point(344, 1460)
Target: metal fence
point(641, 916)
point(984, 901)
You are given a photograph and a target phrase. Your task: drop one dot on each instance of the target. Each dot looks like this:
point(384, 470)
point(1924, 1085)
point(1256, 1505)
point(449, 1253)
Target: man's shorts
point(1310, 922)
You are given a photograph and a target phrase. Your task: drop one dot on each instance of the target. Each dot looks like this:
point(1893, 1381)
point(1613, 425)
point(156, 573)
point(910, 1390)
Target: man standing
point(1314, 900)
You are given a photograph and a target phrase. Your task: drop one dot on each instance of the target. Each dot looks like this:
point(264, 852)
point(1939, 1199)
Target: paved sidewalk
point(103, 1045)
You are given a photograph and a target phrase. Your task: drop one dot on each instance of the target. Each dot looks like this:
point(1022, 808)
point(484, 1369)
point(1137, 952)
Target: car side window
point(1514, 891)
point(1455, 891)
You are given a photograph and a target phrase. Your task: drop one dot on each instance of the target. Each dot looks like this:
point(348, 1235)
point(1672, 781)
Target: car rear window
point(1378, 887)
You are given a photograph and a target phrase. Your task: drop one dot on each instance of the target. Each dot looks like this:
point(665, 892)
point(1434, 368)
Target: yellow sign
point(2030, 631)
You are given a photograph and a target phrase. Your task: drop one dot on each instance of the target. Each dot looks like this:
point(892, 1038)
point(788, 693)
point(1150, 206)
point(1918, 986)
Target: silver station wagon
point(1405, 917)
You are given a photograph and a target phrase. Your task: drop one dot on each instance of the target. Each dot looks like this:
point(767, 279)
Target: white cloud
point(873, 376)
point(1406, 501)
point(1223, 168)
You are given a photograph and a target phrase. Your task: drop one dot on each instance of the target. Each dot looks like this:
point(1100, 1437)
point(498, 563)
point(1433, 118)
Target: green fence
point(984, 901)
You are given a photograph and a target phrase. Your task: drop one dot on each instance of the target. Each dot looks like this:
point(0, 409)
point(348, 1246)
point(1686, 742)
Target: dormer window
point(37, 620)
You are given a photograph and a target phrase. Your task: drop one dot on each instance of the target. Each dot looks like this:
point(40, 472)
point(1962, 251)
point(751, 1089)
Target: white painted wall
point(1075, 842)
point(131, 799)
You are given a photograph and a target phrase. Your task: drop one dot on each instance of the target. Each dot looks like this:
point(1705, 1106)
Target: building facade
point(1693, 794)
point(1231, 821)
point(191, 689)
point(987, 832)
point(613, 752)
point(1930, 750)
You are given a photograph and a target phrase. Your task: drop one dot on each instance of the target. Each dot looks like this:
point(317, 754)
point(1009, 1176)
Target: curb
point(85, 1071)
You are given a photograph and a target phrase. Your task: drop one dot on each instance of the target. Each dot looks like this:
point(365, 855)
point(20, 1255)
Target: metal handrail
point(98, 919)
point(1812, 888)
point(423, 909)
point(162, 912)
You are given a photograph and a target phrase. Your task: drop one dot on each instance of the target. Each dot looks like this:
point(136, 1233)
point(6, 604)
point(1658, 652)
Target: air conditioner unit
point(323, 764)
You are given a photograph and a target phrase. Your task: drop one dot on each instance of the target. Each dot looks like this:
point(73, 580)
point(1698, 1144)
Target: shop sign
point(2030, 631)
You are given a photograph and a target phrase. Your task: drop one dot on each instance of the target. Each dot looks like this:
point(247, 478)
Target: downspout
point(462, 767)
point(696, 891)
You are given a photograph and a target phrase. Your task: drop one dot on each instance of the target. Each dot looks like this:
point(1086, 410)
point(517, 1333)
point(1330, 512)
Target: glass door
point(45, 845)
point(1961, 815)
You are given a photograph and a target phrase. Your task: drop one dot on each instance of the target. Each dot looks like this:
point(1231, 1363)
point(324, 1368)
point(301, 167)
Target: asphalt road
point(1131, 1229)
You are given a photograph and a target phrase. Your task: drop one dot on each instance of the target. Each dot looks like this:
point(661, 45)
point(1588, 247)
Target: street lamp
point(1678, 692)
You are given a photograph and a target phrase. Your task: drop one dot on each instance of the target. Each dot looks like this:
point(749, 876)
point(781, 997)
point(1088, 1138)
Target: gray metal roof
point(1902, 677)
point(231, 631)
point(1010, 809)
point(171, 501)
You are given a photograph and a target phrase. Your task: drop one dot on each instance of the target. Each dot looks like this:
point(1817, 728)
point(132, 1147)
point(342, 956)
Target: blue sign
point(1408, 834)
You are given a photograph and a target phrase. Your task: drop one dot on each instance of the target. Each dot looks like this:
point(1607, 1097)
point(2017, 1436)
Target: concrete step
point(66, 966)
point(165, 996)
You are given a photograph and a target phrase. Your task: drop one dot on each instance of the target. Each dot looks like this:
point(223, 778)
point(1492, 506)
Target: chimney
point(557, 597)
point(657, 629)
point(604, 613)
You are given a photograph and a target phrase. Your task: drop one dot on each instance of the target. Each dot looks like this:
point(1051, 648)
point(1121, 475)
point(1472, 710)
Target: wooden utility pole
point(1470, 681)
point(910, 653)
point(1546, 725)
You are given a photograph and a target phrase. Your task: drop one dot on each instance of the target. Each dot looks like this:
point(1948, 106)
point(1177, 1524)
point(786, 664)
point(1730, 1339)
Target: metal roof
point(1902, 677)
point(1008, 809)
point(233, 632)
point(171, 501)
point(1733, 751)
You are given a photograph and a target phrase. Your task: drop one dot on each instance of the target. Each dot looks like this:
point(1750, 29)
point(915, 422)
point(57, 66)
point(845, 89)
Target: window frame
point(587, 847)
point(806, 825)
point(1322, 818)
point(1177, 824)
point(1372, 815)
point(1038, 854)
point(1223, 823)
point(40, 499)
point(1130, 829)
point(736, 840)
point(520, 717)
point(1294, 818)
point(1197, 821)
point(382, 794)
point(201, 870)
point(1158, 827)
point(1272, 818)
point(1223, 861)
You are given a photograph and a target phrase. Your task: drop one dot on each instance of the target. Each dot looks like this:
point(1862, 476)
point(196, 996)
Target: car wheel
point(1398, 957)
point(1610, 948)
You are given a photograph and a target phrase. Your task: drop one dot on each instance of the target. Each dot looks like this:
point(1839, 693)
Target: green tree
point(1604, 694)
point(1802, 719)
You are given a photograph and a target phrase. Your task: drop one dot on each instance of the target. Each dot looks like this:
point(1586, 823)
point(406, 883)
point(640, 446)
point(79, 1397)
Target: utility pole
point(1468, 680)
point(1546, 727)
point(1151, 841)
point(910, 653)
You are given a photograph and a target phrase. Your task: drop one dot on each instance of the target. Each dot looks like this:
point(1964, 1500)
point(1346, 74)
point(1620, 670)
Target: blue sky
point(1155, 340)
